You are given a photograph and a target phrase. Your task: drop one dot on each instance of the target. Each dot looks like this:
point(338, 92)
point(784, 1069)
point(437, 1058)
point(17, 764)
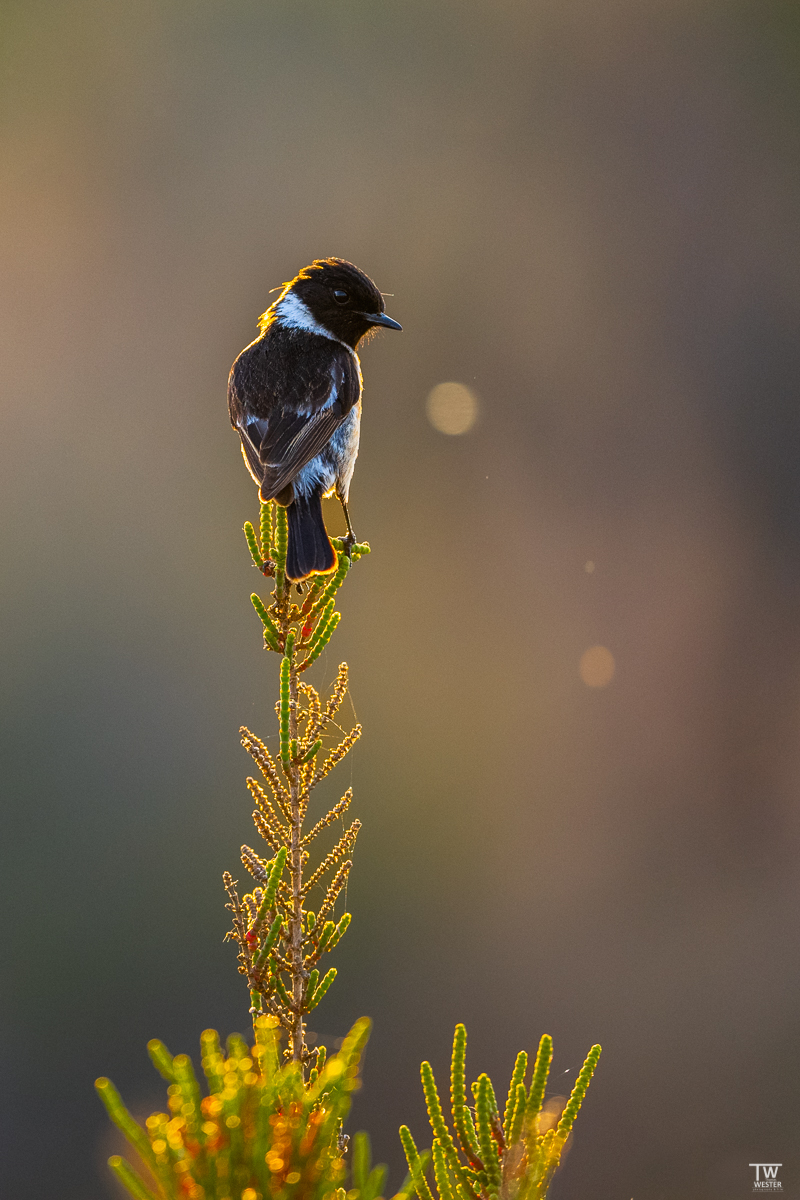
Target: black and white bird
point(294, 396)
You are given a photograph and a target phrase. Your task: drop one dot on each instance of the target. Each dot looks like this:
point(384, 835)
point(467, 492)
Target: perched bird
point(294, 396)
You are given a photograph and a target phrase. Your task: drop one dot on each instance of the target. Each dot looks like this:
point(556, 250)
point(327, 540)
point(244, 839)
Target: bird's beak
point(381, 319)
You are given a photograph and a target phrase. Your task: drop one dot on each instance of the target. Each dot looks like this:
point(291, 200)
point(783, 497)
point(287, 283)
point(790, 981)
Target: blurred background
point(575, 648)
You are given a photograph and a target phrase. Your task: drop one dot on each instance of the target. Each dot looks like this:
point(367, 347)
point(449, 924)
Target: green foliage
point(262, 1131)
point(416, 1164)
point(517, 1078)
point(578, 1092)
point(516, 1159)
point(313, 623)
point(541, 1069)
point(367, 1180)
point(462, 1118)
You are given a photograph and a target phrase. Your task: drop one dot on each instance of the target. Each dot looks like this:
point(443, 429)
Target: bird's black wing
point(285, 422)
point(290, 442)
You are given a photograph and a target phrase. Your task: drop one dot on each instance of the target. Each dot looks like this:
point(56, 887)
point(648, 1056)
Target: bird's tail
point(310, 550)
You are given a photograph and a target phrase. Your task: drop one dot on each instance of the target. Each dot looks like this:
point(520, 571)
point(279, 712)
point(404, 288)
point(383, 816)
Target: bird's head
point(335, 295)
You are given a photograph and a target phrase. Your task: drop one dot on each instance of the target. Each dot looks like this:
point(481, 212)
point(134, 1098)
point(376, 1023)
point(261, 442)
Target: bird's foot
point(347, 544)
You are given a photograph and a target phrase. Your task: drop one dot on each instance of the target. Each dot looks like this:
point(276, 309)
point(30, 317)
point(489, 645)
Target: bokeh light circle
point(597, 667)
point(452, 408)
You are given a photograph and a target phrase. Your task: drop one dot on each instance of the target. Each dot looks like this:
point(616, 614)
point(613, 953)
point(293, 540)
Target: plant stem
point(296, 920)
point(295, 923)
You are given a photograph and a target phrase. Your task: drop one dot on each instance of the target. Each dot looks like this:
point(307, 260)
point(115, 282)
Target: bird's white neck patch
point(292, 313)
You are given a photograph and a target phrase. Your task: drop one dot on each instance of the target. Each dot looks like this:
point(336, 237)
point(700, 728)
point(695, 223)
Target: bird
point(294, 398)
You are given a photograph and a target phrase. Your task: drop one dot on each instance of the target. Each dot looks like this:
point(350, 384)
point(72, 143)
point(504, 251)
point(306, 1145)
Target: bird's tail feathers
point(310, 550)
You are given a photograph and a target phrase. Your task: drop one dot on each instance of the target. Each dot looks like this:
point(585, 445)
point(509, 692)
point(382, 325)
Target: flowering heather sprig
point(279, 949)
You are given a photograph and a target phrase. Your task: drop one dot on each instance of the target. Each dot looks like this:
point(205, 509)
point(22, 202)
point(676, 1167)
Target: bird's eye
point(340, 296)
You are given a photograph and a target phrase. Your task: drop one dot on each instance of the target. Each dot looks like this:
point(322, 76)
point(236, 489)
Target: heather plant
point(281, 941)
point(271, 1123)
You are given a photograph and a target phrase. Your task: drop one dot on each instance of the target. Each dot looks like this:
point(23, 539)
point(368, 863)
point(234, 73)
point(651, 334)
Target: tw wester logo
point(767, 1177)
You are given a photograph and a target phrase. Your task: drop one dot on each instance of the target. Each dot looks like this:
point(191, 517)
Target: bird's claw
point(347, 545)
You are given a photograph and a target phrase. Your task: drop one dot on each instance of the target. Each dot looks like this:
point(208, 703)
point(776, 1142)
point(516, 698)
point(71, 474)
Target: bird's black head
point(333, 294)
